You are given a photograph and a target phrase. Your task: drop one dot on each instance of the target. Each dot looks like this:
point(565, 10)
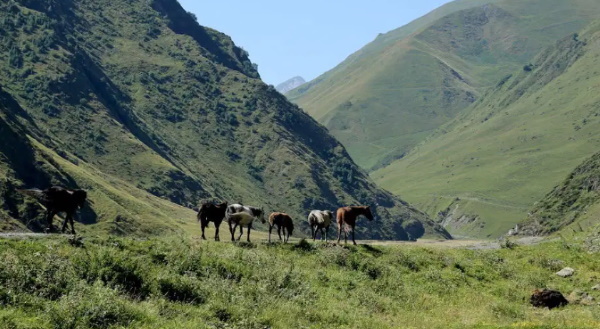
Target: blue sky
point(306, 38)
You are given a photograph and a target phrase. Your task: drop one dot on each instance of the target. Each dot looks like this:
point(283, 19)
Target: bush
point(178, 288)
point(93, 306)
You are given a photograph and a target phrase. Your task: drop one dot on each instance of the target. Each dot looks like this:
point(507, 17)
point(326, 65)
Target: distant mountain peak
point(290, 84)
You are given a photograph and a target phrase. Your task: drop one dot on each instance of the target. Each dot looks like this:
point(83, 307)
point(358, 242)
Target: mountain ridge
point(420, 76)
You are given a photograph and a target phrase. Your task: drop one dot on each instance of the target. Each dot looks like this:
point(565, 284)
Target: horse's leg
point(64, 227)
point(326, 229)
point(313, 231)
point(232, 230)
point(340, 227)
point(353, 235)
point(72, 220)
point(249, 229)
point(203, 224)
point(217, 226)
point(270, 230)
point(346, 236)
point(279, 232)
point(241, 232)
point(49, 217)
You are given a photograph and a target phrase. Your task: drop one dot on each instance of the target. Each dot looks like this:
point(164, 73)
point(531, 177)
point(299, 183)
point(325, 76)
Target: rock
point(581, 298)
point(596, 287)
point(548, 298)
point(565, 272)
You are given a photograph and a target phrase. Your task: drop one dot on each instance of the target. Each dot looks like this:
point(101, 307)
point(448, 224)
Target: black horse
point(210, 212)
point(58, 199)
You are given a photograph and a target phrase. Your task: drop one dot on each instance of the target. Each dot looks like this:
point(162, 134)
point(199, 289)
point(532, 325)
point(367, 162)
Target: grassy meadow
point(183, 282)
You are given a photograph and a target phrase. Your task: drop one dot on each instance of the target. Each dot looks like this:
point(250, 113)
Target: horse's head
point(368, 213)
point(262, 215)
point(79, 197)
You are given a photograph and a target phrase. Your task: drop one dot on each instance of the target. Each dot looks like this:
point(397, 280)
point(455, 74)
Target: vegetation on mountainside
point(571, 203)
point(133, 100)
point(179, 283)
point(393, 93)
point(503, 154)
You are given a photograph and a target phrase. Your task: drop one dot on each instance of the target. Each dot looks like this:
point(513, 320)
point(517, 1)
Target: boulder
point(548, 298)
point(581, 298)
point(565, 272)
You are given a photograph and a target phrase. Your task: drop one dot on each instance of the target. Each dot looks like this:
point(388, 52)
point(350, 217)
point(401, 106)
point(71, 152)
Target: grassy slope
point(574, 204)
point(132, 98)
point(501, 155)
point(183, 283)
point(394, 92)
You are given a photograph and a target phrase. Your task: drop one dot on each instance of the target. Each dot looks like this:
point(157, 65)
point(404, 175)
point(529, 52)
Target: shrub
point(179, 288)
point(93, 306)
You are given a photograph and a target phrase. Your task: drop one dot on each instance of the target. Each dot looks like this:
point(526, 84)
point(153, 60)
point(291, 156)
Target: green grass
point(513, 146)
point(178, 282)
point(390, 95)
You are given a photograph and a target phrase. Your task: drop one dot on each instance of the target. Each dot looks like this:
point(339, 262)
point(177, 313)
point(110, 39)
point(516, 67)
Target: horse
point(319, 220)
point(239, 215)
point(210, 212)
point(282, 220)
point(58, 199)
point(347, 216)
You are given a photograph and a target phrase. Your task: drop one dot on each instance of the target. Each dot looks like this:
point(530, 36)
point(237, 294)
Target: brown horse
point(210, 212)
point(57, 199)
point(282, 220)
point(347, 216)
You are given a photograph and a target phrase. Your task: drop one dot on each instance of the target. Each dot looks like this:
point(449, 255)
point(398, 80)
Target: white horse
point(239, 215)
point(319, 220)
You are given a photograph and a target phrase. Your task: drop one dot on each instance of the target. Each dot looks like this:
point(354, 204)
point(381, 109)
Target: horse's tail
point(33, 192)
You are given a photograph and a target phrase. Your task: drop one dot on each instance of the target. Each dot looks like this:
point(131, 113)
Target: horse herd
point(58, 199)
point(237, 215)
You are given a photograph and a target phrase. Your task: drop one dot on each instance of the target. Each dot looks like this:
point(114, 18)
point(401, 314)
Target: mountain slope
point(575, 203)
point(290, 84)
point(136, 102)
point(390, 95)
point(483, 171)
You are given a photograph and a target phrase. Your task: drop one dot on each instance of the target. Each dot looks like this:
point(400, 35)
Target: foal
point(347, 216)
point(319, 220)
point(239, 215)
point(282, 220)
point(210, 212)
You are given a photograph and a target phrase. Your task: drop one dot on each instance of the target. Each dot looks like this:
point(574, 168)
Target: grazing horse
point(347, 216)
point(319, 220)
point(282, 220)
point(239, 215)
point(57, 199)
point(210, 212)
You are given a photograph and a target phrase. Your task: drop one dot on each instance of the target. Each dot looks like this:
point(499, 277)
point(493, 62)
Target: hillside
point(483, 171)
point(184, 283)
point(151, 112)
point(387, 97)
point(575, 203)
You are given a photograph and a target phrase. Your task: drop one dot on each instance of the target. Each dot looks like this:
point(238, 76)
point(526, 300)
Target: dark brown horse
point(281, 220)
point(210, 212)
point(57, 199)
point(346, 216)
